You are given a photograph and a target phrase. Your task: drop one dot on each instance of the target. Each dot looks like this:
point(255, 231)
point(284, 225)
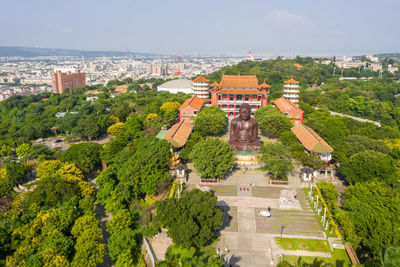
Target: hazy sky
point(279, 27)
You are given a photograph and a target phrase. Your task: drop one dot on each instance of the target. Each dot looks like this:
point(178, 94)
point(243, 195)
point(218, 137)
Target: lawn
point(203, 252)
point(339, 259)
point(303, 244)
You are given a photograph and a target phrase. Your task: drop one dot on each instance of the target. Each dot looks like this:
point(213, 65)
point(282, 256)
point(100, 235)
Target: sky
point(264, 27)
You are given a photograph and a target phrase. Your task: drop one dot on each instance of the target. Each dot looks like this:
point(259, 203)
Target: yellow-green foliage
point(152, 116)
point(116, 128)
point(68, 171)
point(170, 106)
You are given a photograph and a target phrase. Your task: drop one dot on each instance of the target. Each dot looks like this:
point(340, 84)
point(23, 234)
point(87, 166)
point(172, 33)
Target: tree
point(272, 122)
point(191, 220)
point(113, 147)
point(122, 242)
point(87, 128)
point(41, 152)
point(212, 158)
point(23, 151)
point(174, 106)
point(5, 151)
point(133, 126)
point(330, 194)
point(277, 159)
point(210, 121)
point(89, 250)
point(369, 165)
point(194, 138)
point(116, 129)
point(86, 156)
point(392, 257)
point(373, 208)
point(139, 172)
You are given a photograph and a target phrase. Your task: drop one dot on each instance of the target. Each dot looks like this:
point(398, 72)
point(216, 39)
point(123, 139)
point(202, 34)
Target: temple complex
point(234, 90)
point(291, 90)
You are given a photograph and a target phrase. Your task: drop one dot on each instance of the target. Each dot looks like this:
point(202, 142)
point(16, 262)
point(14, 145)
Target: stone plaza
point(246, 237)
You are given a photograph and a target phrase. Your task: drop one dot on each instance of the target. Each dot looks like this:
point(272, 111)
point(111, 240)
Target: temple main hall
point(234, 90)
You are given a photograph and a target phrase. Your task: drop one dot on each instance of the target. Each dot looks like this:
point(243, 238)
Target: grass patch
point(303, 244)
point(188, 253)
point(339, 259)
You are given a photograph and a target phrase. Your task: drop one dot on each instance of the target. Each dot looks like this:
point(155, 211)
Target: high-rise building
point(291, 90)
point(234, 90)
point(69, 79)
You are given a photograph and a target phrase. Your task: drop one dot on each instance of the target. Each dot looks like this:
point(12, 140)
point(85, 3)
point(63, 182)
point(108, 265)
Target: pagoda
point(201, 87)
point(291, 91)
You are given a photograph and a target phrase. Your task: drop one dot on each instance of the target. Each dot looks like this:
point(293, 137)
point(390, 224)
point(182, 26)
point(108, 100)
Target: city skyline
point(225, 27)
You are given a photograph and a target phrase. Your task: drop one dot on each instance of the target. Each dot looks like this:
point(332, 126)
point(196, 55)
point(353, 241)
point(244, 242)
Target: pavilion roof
point(179, 134)
point(292, 81)
point(214, 84)
point(239, 81)
point(264, 85)
point(311, 140)
point(194, 102)
point(200, 79)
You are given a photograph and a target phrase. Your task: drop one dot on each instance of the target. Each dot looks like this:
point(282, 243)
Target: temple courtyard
point(249, 239)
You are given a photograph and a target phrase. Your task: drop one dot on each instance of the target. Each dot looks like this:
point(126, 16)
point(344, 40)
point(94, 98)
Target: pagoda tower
point(201, 87)
point(291, 91)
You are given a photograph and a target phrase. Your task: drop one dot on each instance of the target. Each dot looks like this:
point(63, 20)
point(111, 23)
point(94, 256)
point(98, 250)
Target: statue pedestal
point(246, 158)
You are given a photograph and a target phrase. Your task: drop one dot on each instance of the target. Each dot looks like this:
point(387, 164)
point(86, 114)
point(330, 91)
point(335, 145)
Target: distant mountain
point(397, 55)
point(12, 51)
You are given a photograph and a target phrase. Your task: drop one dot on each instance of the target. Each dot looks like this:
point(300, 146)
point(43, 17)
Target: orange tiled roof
point(239, 81)
point(292, 81)
point(264, 85)
point(310, 139)
point(297, 65)
point(214, 84)
point(200, 79)
point(240, 91)
point(194, 102)
point(177, 73)
point(179, 134)
point(286, 106)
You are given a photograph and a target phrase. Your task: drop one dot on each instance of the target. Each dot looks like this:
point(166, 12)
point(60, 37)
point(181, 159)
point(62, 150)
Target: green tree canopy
point(212, 158)
point(373, 208)
point(191, 220)
point(210, 121)
point(86, 156)
point(369, 165)
point(272, 122)
point(277, 158)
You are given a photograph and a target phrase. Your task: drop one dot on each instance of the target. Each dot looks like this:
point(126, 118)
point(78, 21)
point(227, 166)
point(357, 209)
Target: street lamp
point(282, 226)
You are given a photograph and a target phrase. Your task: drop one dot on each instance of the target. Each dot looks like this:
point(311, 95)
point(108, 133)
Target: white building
point(176, 86)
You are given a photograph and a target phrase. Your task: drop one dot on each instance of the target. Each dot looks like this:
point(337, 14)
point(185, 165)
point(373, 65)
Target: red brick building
point(234, 90)
point(64, 80)
point(294, 113)
point(190, 108)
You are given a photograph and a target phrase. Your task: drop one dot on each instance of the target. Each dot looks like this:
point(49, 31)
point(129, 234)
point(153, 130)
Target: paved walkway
point(249, 237)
